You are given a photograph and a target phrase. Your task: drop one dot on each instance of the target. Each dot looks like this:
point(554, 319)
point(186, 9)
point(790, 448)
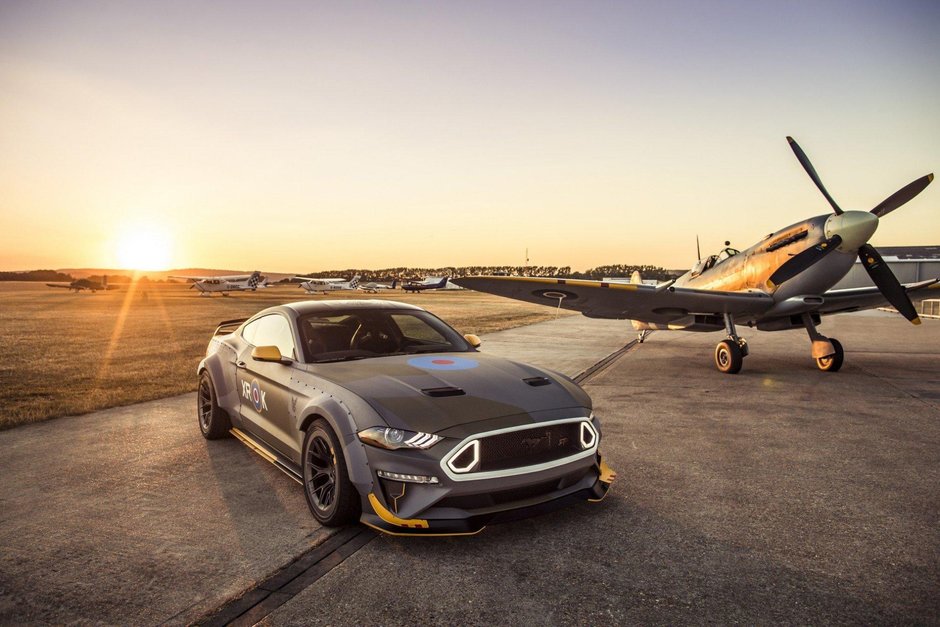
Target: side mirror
point(268, 353)
point(473, 340)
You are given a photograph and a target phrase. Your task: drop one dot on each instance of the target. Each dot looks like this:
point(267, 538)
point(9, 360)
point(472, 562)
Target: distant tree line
point(562, 272)
point(63, 277)
point(36, 275)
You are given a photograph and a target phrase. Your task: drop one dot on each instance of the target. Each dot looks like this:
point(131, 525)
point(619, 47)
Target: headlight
point(392, 439)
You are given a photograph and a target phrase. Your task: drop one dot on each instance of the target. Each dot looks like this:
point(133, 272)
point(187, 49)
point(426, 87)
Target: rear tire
point(331, 496)
point(832, 363)
point(728, 357)
point(214, 423)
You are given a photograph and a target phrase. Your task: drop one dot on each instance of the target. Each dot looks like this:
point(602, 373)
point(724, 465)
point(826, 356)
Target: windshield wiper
point(351, 358)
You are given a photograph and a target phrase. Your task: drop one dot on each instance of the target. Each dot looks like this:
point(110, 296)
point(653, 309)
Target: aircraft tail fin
point(635, 278)
point(443, 282)
point(354, 282)
point(254, 279)
point(394, 283)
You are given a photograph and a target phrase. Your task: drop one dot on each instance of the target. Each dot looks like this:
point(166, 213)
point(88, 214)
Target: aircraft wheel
point(728, 357)
point(832, 363)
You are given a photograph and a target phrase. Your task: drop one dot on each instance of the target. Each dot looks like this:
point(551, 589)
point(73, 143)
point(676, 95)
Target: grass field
point(67, 353)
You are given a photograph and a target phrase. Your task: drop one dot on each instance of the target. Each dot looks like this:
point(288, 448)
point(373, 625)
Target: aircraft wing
point(62, 285)
point(622, 301)
point(854, 299)
point(190, 278)
point(230, 277)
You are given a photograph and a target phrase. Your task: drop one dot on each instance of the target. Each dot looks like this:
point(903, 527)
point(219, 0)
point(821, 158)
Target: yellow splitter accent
point(392, 519)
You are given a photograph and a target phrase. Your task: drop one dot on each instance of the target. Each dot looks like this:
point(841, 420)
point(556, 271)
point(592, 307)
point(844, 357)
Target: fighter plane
point(322, 286)
point(225, 284)
point(373, 287)
point(85, 284)
point(429, 284)
point(783, 282)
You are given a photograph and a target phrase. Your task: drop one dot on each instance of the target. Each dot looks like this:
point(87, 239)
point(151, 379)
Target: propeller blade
point(804, 161)
point(887, 283)
point(801, 261)
point(902, 196)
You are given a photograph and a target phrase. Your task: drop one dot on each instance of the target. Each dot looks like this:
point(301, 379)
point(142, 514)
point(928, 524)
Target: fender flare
point(340, 418)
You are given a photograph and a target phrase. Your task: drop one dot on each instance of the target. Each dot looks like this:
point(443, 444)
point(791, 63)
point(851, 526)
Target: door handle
point(240, 364)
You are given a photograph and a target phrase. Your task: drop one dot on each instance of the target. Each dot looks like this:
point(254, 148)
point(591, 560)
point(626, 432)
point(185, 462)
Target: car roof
point(319, 306)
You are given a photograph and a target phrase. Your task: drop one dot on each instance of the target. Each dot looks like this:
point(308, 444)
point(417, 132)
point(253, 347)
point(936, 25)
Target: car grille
point(528, 447)
point(514, 495)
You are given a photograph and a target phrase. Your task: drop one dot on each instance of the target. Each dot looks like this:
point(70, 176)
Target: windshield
point(364, 333)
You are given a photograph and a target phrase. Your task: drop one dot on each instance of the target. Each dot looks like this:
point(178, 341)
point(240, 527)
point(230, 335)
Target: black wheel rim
point(724, 357)
point(205, 405)
point(321, 474)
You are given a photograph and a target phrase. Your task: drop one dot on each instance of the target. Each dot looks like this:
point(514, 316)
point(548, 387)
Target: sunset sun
point(144, 248)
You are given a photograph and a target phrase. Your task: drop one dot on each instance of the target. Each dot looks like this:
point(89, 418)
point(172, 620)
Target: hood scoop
point(537, 381)
point(447, 390)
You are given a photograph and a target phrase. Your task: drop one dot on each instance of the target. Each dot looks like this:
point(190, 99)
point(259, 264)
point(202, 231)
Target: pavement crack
point(260, 600)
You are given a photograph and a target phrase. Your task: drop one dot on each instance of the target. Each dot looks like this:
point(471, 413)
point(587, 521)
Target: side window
point(273, 330)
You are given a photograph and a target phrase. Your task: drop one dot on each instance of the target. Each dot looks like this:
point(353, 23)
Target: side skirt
point(282, 464)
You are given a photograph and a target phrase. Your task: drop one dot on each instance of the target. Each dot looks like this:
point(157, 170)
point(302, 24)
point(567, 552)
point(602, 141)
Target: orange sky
point(296, 136)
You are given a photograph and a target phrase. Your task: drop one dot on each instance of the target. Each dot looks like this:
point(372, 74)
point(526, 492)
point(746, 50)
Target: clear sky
point(295, 136)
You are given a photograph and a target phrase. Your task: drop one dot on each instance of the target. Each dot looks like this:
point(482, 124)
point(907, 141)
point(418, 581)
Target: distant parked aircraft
point(226, 284)
point(428, 284)
point(322, 286)
point(85, 284)
point(373, 288)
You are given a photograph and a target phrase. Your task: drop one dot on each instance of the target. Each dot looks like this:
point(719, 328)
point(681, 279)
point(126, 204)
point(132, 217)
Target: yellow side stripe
point(247, 441)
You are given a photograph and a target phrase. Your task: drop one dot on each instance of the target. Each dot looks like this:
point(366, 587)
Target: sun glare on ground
point(144, 248)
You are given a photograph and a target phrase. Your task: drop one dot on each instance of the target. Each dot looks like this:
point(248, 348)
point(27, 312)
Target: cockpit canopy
point(713, 260)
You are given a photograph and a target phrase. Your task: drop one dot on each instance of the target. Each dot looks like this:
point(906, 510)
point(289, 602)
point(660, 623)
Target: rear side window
point(272, 330)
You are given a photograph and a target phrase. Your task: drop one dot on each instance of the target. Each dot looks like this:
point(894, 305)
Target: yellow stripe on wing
point(573, 282)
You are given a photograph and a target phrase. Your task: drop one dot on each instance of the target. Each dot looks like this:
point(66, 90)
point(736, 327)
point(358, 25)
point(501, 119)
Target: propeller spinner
point(849, 231)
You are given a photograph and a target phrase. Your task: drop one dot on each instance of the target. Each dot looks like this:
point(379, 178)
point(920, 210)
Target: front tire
point(729, 357)
point(214, 423)
point(832, 363)
point(331, 496)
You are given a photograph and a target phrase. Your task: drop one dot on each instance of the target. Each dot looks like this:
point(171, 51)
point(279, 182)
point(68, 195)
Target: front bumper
point(489, 502)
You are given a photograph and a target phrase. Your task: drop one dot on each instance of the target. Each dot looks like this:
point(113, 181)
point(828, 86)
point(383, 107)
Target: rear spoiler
point(228, 326)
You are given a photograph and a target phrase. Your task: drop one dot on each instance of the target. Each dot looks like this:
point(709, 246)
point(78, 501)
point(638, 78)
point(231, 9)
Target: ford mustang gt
point(387, 415)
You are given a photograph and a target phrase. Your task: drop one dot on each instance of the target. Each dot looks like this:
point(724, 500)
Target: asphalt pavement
point(779, 495)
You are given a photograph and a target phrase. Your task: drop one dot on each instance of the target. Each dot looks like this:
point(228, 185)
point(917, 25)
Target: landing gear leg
point(642, 335)
point(730, 353)
point(827, 351)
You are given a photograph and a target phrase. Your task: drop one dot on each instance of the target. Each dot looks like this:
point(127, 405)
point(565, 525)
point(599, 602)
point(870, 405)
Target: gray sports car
point(386, 414)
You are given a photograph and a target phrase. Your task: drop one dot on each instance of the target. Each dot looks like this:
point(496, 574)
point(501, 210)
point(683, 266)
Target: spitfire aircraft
point(225, 284)
point(322, 286)
point(85, 284)
point(783, 282)
point(429, 284)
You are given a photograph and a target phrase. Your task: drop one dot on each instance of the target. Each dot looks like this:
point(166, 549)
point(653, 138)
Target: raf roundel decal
point(442, 363)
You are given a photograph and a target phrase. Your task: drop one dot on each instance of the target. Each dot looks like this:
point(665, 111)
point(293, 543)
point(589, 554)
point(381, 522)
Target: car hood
point(433, 393)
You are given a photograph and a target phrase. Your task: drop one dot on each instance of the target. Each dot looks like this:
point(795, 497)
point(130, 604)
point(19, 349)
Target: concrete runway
point(782, 494)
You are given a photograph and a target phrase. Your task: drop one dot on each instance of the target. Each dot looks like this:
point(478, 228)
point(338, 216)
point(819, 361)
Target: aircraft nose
point(854, 227)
